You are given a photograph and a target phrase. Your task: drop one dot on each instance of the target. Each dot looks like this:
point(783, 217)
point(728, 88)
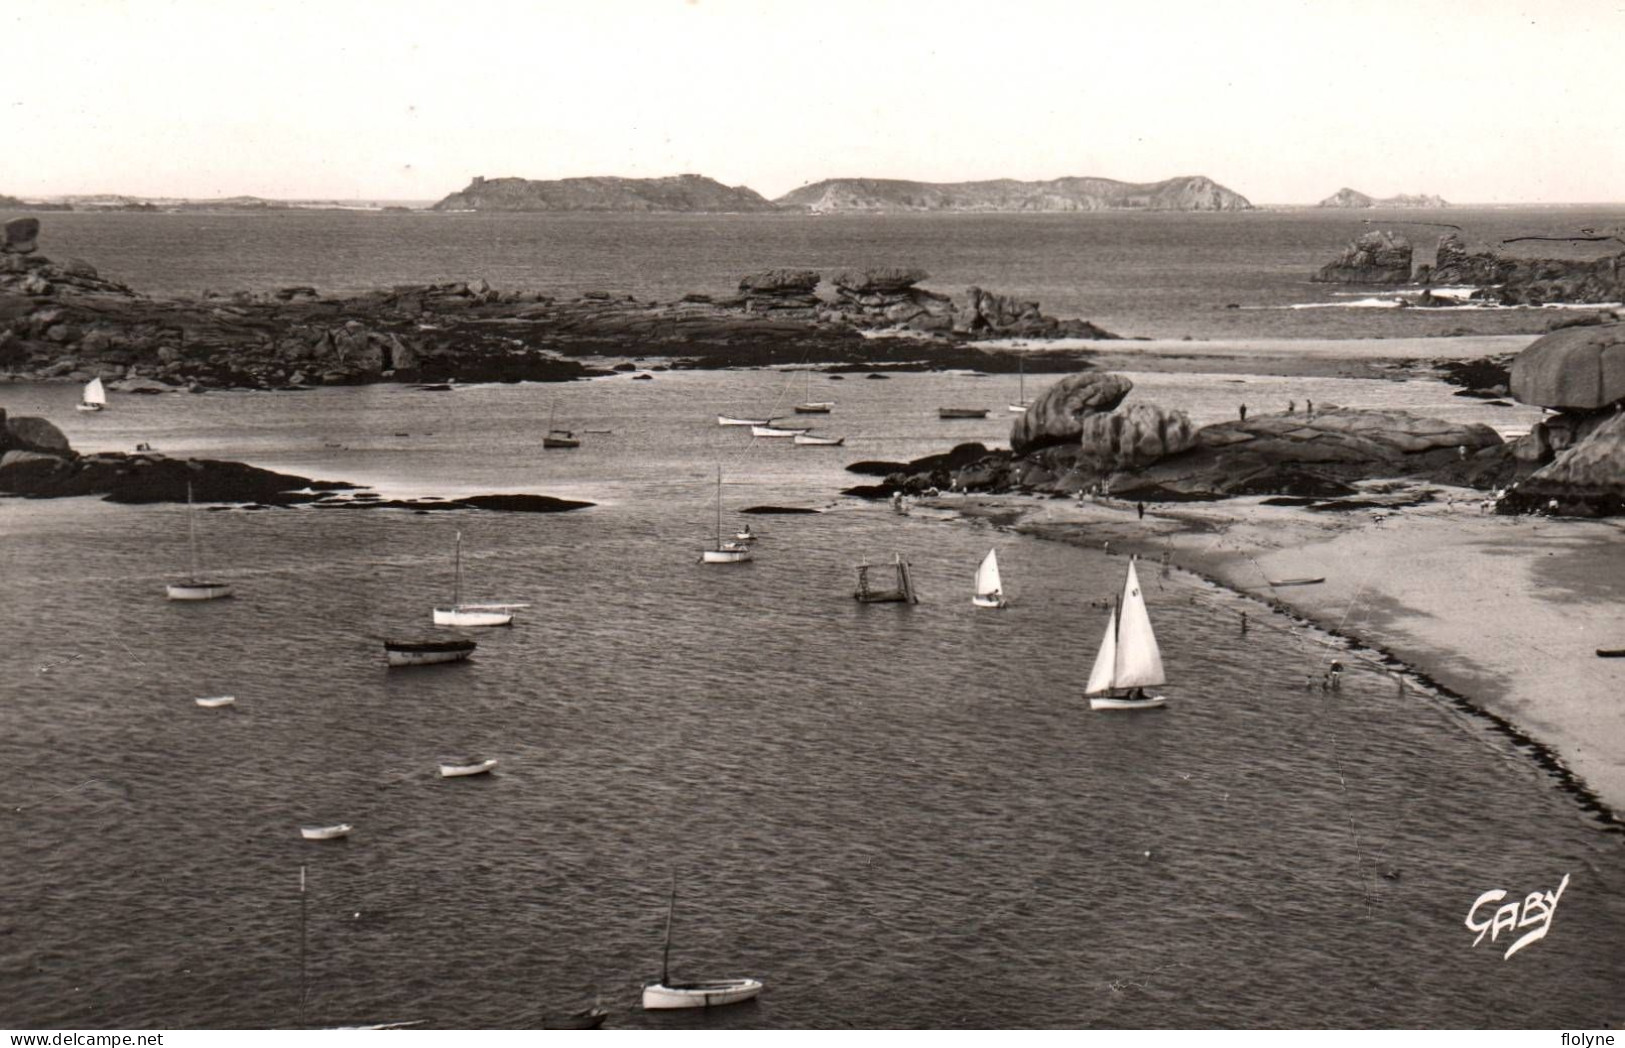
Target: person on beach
point(1335, 676)
point(1291, 407)
point(1244, 622)
point(1244, 413)
point(1309, 407)
point(1140, 507)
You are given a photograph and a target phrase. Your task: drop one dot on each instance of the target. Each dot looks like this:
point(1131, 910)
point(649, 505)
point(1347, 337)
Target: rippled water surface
point(894, 816)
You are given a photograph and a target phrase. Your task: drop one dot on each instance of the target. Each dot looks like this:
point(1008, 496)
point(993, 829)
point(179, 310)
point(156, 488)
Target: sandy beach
point(1503, 613)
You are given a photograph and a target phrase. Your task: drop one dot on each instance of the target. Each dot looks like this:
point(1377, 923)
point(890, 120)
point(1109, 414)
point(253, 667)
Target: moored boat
point(458, 767)
point(214, 702)
point(1022, 403)
point(94, 397)
point(1129, 660)
point(1298, 582)
point(669, 994)
point(427, 652)
point(819, 442)
point(777, 431)
point(330, 832)
point(1611, 653)
point(195, 588)
point(558, 438)
point(962, 413)
point(460, 614)
point(809, 406)
point(729, 420)
point(731, 551)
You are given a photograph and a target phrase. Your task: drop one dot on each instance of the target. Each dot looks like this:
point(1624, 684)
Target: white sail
point(1100, 678)
point(1139, 660)
point(95, 393)
point(988, 583)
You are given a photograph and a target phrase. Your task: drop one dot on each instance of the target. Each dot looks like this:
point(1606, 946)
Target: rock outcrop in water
point(66, 322)
point(1384, 258)
point(1350, 198)
point(1190, 193)
point(1375, 257)
point(683, 193)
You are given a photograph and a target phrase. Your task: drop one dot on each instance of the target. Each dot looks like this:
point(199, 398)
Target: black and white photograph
point(732, 515)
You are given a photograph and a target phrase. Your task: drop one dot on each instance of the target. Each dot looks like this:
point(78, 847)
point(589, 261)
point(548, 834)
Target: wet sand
point(1504, 612)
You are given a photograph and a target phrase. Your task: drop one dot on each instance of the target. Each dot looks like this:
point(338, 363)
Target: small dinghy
point(427, 652)
point(217, 701)
point(989, 587)
point(1129, 659)
point(454, 767)
point(744, 534)
point(326, 833)
point(94, 397)
point(777, 431)
point(962, 413)
point(822, 442)
point(668, 994)
point(729, 420)
point(1298, 582)
point(1611, 653)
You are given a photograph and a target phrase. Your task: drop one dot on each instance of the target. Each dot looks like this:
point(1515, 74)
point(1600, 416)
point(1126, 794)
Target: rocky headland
point(1190, 193)
point(1351, 198)
point(64, 321)
point(682, 193)
point(1383, 258)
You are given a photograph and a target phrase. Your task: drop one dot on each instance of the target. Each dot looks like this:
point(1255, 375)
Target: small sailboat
point(558, 438)
point(819, 442)
point(730, 552)
point(460, 767)
point(778, 431)
point(729, 420)
point(902, 593)
point(331, 832)
point(216, 701)
point(427, 652)
point(1021, 404)
point(962, 413)
point(809, 406)
point(460, 614)
point(668, 994)
point(989, 587)
point(95, 396)
point(195, 587)
point(1129, 660)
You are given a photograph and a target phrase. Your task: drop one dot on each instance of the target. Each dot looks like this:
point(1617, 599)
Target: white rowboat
point(826, 442)
point(700, 995)
point(217, 701)
point(459, 769)
point(729, 420)
point(777, 431)
point(326, 833)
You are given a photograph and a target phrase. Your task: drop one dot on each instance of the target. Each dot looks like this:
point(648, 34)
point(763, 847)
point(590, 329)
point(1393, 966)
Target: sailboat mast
point(191, 530)
point(457, 573)
point(301, 947)
point(665, 958)
point(1117, 648)
point(719, 524)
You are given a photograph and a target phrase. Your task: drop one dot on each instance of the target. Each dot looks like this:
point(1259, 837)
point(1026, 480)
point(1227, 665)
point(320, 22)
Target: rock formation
point(1587, 480)
point(1133, 437)
point(1056, 416)
point(1375, 257)
point(694, 193)
point(1349, 198)
point(1192, 193)
point(1576, 368)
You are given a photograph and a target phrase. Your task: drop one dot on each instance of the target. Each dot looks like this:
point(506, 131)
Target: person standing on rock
point(1309, 407)
point(1291, 407)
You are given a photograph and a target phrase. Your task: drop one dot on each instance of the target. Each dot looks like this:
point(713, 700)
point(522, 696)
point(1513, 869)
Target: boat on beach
point(819, 442)
point(458, 767)
point(729, 420)
point(330, 832)
point(1298, 582)
point(216, 701)
point(731, 551)
point(460, 614)
point(778, 431)
point(427, 652)
point(989, 587)
point(194, 587)
point(1611, 653)
point(669, 994)
point(901, 593)
point(961, 413)
point(94, 397)
point(1129, 660)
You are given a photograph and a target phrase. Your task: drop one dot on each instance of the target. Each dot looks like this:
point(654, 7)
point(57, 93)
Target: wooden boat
point(724, 552)
point(460, 614)
point(1129, 660)
point(558, 438)
point(729, 420)
point(1611, 653)
point(820, 442)
point(427, 652)
point(669, 994)
point(777, 431)
point(585, 1019)
point(194, 587)
point(94, 397)
point(326, 833)
point(217, 701)
point(903, 593)
point(809, 406)
point(1298, 582)
point(1022, 403)
point(962, 413)
point(989, 587)
point(456, 768)
point(744, 534)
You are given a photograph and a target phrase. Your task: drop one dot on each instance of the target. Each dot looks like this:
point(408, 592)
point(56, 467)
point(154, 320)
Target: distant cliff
point(679, 193)
point(1346, 197)
point(1193, 193)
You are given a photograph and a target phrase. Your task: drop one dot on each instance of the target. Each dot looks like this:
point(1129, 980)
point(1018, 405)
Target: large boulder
point(780, 281)
point(1056, 415)
point(1581, 368)
point(1134, 436)
point(21, 234)
point(1587, 480)
point(1377, 257)
point(882, 280)
point(30, 433)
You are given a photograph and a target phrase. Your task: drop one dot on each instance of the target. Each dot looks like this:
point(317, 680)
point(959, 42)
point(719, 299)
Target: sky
point(1491, 101)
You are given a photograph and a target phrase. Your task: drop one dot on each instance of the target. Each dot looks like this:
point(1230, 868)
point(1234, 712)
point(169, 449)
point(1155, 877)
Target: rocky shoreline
point(64, 322)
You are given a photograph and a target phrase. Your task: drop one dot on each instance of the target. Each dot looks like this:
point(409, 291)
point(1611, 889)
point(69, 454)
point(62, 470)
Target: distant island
point(1346, 197)
point(690, 193)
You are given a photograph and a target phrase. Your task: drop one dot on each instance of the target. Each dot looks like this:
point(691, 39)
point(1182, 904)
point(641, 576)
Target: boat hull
point(774, 431)
point(728, 420)
point(1297, 582)
point(90, 407)
point(962, 413)
point(814, 409)
point(560, 442)
point(700, 995)
point(217, 701)
point(427, 654)
point(987, 602)
point(459, 771)
point(326, 833)
point(197, 590)
point(1108, 702)
point(821, 442)
point(724, 556)
point(1017, 409)
point(471, 617)
point(1611, 653)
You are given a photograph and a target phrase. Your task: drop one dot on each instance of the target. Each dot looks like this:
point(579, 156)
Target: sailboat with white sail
point(460, 614)
point(989, 587)
point(195, 587)
point(95, 396)
point(1129, 660)
point(730, 552)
